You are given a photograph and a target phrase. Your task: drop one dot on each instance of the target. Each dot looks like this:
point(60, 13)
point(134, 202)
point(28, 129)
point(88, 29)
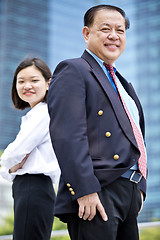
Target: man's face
point(106, 37)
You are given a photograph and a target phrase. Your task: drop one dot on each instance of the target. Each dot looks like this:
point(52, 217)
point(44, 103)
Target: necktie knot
point(108, 66)
point(110, 69)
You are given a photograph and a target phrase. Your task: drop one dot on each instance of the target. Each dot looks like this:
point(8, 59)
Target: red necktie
point(138, 136)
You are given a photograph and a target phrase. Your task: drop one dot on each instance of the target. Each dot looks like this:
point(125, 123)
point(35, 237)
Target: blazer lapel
point(113, 97)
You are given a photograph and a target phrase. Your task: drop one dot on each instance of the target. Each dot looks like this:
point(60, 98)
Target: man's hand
point(88, 205)
point(141, 201)
point(19, 165)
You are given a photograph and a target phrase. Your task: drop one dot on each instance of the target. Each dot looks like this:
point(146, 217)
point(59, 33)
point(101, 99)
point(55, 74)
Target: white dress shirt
point(33, 139)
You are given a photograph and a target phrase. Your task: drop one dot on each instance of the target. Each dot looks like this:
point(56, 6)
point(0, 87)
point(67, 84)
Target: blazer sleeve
point(68, 129)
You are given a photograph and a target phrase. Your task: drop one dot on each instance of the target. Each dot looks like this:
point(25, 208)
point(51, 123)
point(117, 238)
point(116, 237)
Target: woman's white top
point(33, 139)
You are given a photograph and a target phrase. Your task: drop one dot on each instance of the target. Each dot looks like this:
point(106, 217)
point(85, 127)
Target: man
point(94, 114)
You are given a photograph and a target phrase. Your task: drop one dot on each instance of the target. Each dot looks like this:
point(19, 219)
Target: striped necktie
point(138, 136)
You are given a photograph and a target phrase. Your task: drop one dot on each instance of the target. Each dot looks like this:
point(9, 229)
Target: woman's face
point(31, 85)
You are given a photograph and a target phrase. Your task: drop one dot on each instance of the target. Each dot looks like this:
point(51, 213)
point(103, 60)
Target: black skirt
point(34, 200)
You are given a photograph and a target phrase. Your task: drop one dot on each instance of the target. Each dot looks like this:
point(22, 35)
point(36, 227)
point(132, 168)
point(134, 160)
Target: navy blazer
point(83, 106)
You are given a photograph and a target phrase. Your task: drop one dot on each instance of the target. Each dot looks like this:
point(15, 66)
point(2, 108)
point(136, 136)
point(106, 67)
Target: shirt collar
point(32, 110)
point(100, 61)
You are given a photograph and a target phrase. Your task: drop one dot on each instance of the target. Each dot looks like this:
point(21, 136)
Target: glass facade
point(139, 64)
point(23, 32)
point(147, 20)
point(52, 30)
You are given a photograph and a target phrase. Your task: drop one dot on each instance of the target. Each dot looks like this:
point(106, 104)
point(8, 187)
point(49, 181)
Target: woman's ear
point(48, 83)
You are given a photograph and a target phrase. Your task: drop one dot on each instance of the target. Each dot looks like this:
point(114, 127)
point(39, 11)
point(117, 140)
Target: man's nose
point(113, 35)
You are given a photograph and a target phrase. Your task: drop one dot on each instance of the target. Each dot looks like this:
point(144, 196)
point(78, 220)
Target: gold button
point(107, 134)
point(116, 157)
point(71, 189)
point(100, 112)
point(72, 192)
point(68, 184)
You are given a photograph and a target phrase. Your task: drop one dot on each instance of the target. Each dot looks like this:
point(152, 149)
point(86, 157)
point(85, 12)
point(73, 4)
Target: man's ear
point(85, 32)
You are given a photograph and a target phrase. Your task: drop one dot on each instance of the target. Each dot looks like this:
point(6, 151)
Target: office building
point(139, 64)
point(53, 30)
point(23, 33)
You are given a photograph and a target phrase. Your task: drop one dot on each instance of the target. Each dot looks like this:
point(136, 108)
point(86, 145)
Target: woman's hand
point(19, 165)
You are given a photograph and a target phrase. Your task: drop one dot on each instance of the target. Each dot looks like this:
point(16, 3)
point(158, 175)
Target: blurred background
point(52, 30)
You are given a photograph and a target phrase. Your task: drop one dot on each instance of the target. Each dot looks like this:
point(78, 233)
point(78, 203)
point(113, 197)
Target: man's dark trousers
point(122, 201)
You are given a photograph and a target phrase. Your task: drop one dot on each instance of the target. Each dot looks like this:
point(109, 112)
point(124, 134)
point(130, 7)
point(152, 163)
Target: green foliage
point(1, 151)
point(7, 227)
point(61, 238)
point(150, 234)
point(58, 225)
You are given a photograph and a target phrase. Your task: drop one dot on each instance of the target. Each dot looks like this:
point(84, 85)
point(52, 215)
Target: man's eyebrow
point(108, 25)
point(105, 24)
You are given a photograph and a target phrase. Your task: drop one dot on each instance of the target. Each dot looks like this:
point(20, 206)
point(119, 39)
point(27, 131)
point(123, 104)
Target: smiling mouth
point(111, 45)
point(28, 93)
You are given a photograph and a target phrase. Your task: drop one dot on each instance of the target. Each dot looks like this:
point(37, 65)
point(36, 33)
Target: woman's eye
point(35, 80)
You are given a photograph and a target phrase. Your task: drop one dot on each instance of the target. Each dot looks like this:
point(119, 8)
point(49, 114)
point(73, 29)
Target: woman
point(29, 161)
